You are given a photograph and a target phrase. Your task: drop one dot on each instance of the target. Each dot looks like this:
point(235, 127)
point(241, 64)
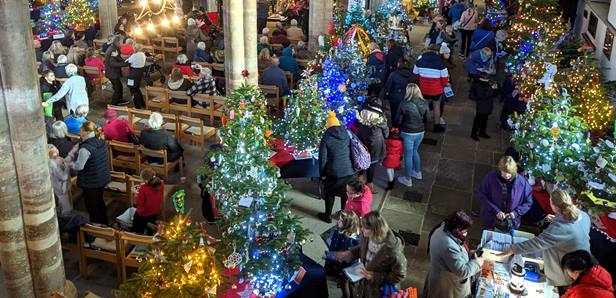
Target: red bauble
point(224, 120)
point(245, 73)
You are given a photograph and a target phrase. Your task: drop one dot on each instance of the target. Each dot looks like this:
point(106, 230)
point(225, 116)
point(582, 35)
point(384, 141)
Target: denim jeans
point(412, 162)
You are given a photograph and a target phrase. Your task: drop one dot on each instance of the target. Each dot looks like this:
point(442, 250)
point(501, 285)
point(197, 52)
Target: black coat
point(373, 131)
point(95, 173)
point(157, 139)
point(49, 87)
point(335, 153)
point(395, 88)
point(391, 59)
point(113, 65)
point(64, 145)
point(483, 95)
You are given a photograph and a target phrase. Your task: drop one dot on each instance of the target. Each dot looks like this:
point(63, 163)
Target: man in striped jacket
point(432, 76)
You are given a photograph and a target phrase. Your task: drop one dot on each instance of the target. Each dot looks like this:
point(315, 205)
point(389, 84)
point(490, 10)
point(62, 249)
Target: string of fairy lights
point(156, 14)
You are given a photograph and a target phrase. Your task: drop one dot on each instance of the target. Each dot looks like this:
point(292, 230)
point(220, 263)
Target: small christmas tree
point(599, 171)
point(79, 15)
point(51, 19)
point(304, 118)
point(178, 264)
point(553, 142)
point(261, 236)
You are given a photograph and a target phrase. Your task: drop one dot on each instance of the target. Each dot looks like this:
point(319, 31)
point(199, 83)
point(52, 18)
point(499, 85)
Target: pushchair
point(152, 67)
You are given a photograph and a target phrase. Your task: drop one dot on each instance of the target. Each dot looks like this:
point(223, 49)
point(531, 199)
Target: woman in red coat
point(589, 280)
point(393, 158)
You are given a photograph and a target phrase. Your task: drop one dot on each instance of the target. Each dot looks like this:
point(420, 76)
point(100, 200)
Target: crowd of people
point(404, 100)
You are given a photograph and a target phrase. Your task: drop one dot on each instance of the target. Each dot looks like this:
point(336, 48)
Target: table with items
point(501, 278)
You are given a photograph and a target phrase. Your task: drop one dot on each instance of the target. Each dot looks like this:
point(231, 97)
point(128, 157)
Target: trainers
point(417, 175)
point(405, 181)
point(442, 121)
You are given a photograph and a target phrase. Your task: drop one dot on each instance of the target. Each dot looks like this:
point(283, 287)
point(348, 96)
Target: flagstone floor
point(452, 165)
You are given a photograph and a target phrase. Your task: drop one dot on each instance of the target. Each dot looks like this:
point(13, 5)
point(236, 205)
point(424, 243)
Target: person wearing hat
point(335, 164)
point(483, 93)
point(117, 129)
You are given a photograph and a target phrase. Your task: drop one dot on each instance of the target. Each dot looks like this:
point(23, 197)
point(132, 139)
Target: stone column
point(108, 14)
point(250, 41)
point(30, 250)
point(233, 20)
point(320, 16)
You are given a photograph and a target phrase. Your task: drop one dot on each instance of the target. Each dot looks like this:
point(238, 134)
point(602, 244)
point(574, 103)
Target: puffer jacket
point(335, 153)
point(595, 283)
point(393, 158)
point(483, 95)
point(412, 115)
point(373, 130)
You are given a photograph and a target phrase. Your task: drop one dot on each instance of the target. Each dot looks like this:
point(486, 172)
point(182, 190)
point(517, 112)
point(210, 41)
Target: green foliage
point(264, 238)
point(176, 265)
point(599, 171)
point(304, 118)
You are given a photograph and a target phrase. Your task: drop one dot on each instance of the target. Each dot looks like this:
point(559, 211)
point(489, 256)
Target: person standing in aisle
point(137, 66)
point(433, 77)
point(113, 71)
point(373, 131)
point(335, 164)
point(483, 93)
point(468, 24)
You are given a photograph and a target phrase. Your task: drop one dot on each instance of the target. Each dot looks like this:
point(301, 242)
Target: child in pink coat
point(393, 147)
point(359, 197)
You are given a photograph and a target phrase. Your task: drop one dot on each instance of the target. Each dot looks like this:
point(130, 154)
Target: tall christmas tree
point(79, 15)
point(178, 264)
point(51, 19)
point(344, 81)
point(584, 84)
point(553, 142)
point(304, 118)
point(261, 236)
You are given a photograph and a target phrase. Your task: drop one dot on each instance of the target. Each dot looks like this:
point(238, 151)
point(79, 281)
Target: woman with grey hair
point(205, 85)
point(156, 138)
point(58, 138)
point(193, 35)
point(73, 90)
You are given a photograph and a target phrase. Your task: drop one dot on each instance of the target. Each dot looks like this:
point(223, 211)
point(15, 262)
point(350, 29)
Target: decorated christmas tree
point(178, 264)
point(344, 80)
point(553, 142)
point(589, 97)
point(79, 15)
point(536, 21)
point(51, 19)
point(599, 171)
point(261, 236)
point(304, 118)
point(496, 14)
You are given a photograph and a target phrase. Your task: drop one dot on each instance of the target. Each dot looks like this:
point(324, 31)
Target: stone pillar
point(250, 41)
point(30, 250)
point(108, 14)
point(321, 14)
point(233, 20)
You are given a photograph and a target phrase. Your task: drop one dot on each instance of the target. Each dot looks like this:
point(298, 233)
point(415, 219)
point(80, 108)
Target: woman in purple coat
point(505, 196)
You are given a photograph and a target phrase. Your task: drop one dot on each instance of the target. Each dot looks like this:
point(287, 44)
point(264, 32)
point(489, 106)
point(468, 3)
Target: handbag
point(359, 153)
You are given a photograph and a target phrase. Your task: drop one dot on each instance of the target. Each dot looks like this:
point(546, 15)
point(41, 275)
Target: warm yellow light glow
point(165, 22)
point(175, 19)
point(150, 27)
point(144, 3)
point(157, 2)
point(138, 31)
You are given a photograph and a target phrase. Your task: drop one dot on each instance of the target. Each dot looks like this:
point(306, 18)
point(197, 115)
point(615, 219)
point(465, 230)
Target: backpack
point(359, 153)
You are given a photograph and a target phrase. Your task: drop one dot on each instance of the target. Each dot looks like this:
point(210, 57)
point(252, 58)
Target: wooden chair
point(170, 45)
point(135, 181)
point(85, 253)
point(289, 76)
point(303, 63)
point(170, 124)
point(218, 106)
point(132, 248)
point(160, 168)
point(272, 95)
point(91, 70)
point(118, 188)
point(139, 119)
point(156, 98)
point(143, 40)
point(294, 41)
point(122, 111)
point(276, 46)
point(178, 107)
point(198, 109)
point(218, 68)
point(98, 43)
point(124, 155)
point(193, 130)
point(158, 44)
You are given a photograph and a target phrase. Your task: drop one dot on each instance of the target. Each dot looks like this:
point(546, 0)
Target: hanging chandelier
point(156, 14)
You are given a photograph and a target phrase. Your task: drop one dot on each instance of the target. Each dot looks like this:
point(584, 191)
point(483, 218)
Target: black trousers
point(370, 172)
point(95, 205)
point(56, 110)
point(335, 186)
point(465, 47)
point(140, 224)
point(479, 124)
point(136, 74)
point(118, 90)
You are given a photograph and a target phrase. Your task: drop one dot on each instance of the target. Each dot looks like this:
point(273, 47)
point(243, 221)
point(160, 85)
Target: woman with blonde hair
point(568, 232)
point(75, 56)
point(264, 59)
point(382, 255)
point(343, 237)
point(410, 118)
point(505, 196)
point(92, 166)
point(57, 48)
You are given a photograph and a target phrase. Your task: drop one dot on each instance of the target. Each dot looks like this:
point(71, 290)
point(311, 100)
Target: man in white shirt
point(73, 89)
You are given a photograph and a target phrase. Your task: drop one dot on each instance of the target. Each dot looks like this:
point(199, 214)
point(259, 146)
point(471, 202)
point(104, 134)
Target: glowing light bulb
point(165, 22)
point(150, 27)
point(138, 31)
point(175, 19)
point(143, 3)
